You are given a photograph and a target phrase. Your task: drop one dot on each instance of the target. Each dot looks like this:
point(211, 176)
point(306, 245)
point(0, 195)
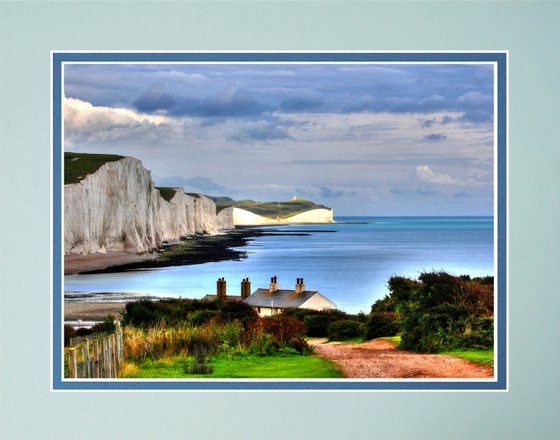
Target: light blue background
point(28, 31)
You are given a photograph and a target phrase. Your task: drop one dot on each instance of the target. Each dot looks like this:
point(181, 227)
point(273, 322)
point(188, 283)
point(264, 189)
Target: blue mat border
point(499, 57)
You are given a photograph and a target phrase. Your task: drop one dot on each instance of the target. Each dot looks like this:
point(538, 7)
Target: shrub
point(441, 312)
point(237, 311)
point(171, 312)
point(201, 317)
point(317, 325)
point(69, 333)
point(286, 331)
point(317, 321)
point(107, 326)
point(345, 329)
point(382, 324)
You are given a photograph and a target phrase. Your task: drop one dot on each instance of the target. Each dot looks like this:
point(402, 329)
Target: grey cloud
point(434, 137)
point(153, 99)
point(262, 131)
point(194, 184)
point(232, 102)
point(329, 193)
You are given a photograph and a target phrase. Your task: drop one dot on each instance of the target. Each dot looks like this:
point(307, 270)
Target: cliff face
point(117, 208)
point(242, 217)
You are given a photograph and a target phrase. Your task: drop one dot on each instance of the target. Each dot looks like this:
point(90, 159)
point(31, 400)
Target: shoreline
point(189, 251)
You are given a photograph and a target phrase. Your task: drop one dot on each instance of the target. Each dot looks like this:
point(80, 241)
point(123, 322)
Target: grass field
point(480, 357)
point(78, 165)
point(269, 209)
point(166, 193)
point(251, 366)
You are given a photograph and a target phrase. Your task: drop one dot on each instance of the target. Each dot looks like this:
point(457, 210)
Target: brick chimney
point(245, 288)
point(300, 287)
point(273, 286)
point(221, 288)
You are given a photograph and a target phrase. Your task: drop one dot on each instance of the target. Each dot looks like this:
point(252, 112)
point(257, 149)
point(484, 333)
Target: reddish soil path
point(380, 359)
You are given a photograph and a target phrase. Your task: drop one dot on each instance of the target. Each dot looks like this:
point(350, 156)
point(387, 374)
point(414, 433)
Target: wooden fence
point(97, 358)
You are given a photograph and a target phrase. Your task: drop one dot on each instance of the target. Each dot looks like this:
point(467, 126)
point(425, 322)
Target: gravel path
point(380, 359)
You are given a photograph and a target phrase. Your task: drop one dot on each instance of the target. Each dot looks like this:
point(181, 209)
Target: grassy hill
point(269, 209)
point(78, 165)
point(166, 193)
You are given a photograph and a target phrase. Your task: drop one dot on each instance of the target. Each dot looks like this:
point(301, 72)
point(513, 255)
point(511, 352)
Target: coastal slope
point(251, 213)
point(241, 217)
point(112, 204)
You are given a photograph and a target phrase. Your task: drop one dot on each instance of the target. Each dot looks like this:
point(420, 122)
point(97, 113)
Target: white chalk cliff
point(242, 217)
point(118, 208)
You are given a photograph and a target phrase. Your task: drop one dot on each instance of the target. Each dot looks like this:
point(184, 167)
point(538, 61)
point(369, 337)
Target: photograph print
point(279, 221)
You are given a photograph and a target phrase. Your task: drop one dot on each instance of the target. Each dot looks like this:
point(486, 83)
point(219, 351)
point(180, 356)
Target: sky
point(364, 139)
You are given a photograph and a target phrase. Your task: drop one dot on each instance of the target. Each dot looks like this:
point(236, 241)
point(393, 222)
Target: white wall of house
point(267, 311)
point(317, 302)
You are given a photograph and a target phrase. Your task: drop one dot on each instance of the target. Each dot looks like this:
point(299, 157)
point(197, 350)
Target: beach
point(84, 263)
point(98, 311)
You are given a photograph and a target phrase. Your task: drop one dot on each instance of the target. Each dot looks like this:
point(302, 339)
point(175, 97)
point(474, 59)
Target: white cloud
point(85, 123)
point(426, 174)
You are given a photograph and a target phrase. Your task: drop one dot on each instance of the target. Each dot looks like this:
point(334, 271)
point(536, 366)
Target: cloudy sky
point(365, 139)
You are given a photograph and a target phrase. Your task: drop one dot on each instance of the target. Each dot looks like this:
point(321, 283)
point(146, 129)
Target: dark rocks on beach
point(203, 249)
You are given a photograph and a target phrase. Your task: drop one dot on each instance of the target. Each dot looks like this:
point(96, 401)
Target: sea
point(349, 261)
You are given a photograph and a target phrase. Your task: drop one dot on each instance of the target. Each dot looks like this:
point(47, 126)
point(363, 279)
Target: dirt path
point(380, 359)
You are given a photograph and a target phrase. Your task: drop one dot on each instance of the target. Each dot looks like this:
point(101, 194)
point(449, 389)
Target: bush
point(345, 329)
point(382, 324)
point(69, 333)
point(286, 332)
point(201, 317)
point(440, 312)
point(317, 325)
point(171, 312)
point(237, 311)
point(317, 322)
point(107, 326)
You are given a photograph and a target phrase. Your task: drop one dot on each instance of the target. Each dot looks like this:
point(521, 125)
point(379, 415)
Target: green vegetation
point(79, 165)
point(357, 340)
point(395, 339)
point(192, 337)
point(318, 322)
point(106, 326)
point(166, 193)
point(269, 209)
point(345, 330)
point(382, 324)
point(180, 311)
point(438, 312)
point(241, 366)
point(481, 357)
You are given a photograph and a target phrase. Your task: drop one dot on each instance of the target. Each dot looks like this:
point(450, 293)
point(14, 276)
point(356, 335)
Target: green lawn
point(251, 366)
point(481, 357)
point(78, 165)
point(395, 339)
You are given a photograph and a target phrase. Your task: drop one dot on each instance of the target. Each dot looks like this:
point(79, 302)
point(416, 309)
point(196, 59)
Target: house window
point(258, 310)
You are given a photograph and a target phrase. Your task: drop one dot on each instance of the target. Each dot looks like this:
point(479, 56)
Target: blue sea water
point(348, 262)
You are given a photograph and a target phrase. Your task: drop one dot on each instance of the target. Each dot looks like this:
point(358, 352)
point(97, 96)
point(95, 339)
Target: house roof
point(280, 299)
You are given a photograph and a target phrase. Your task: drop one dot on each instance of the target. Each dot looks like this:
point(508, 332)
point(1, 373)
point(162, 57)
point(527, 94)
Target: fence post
point(72, 366)
point(103, 363)
point(120, 342)
point(85, 357)
point(109, 359)
point(114, 354)
point(95, 374)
